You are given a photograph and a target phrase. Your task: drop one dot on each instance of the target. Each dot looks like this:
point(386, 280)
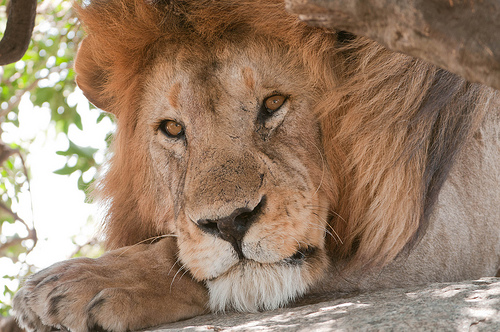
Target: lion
point(258, 160)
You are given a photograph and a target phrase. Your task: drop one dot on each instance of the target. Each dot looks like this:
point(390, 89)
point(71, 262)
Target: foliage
point(45, 75)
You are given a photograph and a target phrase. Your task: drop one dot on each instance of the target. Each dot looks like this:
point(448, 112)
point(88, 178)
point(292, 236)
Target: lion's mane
point(391, 124)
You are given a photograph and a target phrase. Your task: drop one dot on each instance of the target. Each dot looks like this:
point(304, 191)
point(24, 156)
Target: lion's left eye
point(172, 128)
point(274, 102)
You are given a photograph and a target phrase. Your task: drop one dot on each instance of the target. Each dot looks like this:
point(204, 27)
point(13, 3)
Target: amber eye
point(274, 102)
point(172, 128)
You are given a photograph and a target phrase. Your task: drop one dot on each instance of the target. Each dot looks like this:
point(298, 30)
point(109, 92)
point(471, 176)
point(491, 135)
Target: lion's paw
point(26, 317)
point(126, 289)
point(71, 295)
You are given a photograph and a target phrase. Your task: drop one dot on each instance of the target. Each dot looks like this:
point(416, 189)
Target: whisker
point(321, 208)
point(321, 228)
point(186, 271)
point(338, 215)
point(178, 260)
point(337, 236)
point(322, 169)
point(175, 275)
point(300, 243)
point(152, 239)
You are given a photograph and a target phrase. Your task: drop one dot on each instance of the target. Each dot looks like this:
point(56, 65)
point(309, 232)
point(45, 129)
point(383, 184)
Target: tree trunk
point(461, 36)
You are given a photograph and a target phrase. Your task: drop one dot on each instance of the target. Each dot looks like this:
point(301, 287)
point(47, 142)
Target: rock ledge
point(461, 306)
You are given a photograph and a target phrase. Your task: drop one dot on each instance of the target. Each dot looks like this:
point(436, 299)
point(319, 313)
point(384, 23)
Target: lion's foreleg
point(125, 289)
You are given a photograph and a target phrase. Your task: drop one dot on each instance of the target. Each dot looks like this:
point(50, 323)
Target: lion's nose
point(233, 227)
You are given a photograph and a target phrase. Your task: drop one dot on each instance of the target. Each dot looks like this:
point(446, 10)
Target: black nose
point(233, 227)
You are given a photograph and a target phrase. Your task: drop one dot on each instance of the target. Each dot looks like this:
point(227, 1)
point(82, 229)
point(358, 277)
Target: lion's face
point(237, 157)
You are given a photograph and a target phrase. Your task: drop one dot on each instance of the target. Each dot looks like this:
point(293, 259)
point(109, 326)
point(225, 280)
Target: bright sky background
point(56, 206)
point(59, 210)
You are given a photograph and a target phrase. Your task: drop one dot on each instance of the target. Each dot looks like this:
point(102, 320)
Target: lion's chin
point(250, 286)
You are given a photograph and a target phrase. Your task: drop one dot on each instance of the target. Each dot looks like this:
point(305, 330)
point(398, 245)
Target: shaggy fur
point(376, 148)
point(389, 121)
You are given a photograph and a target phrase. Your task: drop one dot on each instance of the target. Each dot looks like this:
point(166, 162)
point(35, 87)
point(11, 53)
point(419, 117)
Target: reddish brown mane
point(389, 138)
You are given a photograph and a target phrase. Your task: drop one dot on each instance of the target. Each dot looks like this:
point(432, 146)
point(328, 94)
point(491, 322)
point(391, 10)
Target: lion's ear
point(91, 77)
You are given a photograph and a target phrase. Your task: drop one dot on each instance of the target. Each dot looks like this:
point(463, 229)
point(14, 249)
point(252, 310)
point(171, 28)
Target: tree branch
point(17, 34)
point(4, 150)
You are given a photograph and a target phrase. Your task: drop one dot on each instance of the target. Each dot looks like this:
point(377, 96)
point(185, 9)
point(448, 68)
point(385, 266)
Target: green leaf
point(101, 117)
point(7, 218)
point(77, 120)
point(87, 152)
point(42, 95)
point(66, 170)
point(84, 186)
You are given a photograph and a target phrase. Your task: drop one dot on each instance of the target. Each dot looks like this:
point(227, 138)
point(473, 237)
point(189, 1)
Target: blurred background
point(52, 142)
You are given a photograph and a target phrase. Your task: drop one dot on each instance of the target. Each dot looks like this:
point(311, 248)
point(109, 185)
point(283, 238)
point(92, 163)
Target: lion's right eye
point(274, 102)
point(172, 128)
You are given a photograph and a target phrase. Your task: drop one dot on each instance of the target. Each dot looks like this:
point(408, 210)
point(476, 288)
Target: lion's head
point(269, 148)
point(236, 154)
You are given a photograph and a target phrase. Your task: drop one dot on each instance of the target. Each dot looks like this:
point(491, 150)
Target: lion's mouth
point(300, 256)
point(296, 259)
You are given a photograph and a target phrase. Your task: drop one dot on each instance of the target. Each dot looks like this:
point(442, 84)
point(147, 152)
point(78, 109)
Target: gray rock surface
point(460, 306)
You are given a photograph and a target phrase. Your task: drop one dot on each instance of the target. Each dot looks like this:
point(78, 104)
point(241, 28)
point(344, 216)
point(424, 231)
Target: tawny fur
point(376, 138)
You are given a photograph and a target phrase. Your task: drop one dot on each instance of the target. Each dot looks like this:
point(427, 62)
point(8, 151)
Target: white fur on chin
point(251, 286)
